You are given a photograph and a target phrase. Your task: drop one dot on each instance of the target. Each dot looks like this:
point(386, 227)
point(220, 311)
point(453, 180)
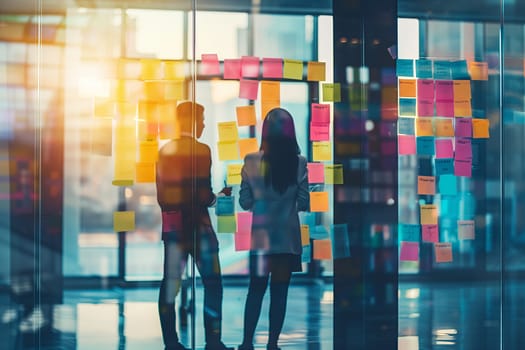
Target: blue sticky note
point(319, 232)
point(409, 232)
point(425, 145)
point(306, 256)
point(407, 106)
point(308, 218)
point(448, 185)
point(225, 205)
point(405, 126)
point(405, 68)
point(340, 241)
point(424, 68)
point(459, 69)
point(444, 166)
point(442, 70)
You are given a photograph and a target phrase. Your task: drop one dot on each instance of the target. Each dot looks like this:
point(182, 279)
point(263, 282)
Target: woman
point(275, 188)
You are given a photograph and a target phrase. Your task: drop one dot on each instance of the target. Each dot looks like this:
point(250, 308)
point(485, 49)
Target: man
point(184, 194)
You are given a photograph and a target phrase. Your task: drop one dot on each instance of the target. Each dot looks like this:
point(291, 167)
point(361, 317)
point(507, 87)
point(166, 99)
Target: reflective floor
point(431, 316)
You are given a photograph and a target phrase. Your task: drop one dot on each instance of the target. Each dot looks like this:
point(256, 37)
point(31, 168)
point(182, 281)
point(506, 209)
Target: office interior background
point(417, 238)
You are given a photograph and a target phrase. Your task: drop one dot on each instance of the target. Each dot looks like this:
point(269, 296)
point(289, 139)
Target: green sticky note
point(331, 92)
point(123, 221)
point(226, 224)
point(293, 69)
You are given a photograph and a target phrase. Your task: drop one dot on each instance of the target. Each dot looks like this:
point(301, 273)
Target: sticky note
point(443, 252)
point(233, 174)
point(226, 224)
point(406, 144)
point(466, 229)
point(103, 107)
point(425, 89)
point(174, 90)
point(315, 172)
point(409, 251)
point(425, 108)
point(444, 127)
point(270, 90)
point(318, 201)
point(305, 235)
point(171, 221)
point(459, 69)
point(462, 90)
point(210, 64)
point(445, 108)
point(148, 151)
point(150, 69)
point(306, 255)
point(462, 108)
point(442, 70)
point(479, 70)
point(424, 68)
point(225, 205)
point(333, 174)
point(463, 127)
point(322, 249)
point(267, 106)
point(322, 151)
point(228, 150)
point(174, 70)
point(405, 68)
point(331, 92)
point(318, 232)
point(407, 106)
point(480, 128)
point(244, 223)
point(409, 232)
point(407, 87)
point(124, 168)
point(242, 242)
point(444, 148)
point(272, 68)
point(248, 89)
point(228, 131)
point(316, 71)
point(246, 115)
point(232, 69)
point(123, 221)
point(424, 127)
point(145, 172)
point(340, 241)
point(320, 113)
point(428, 214)
point(444, 90)
point(293, 69)
point(153, 90)
point(405, 126)
point(425, 146)
point(319, 132)
point(250, 66)
point(447, 185)
point(430, 233)
point(444, 166)
point(248, 145)
point(463, 167)
point(463, 148)
point(426, 185)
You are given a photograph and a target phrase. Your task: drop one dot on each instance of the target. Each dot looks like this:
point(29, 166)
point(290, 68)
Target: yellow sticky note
point(333, 174)
point(480, 128)
point(267, 106)
point(228, 131)
point(270, 91)
point(305, 235)
point(322, 151)
point(148, 110)
point(316, 71)
point(145, 172)
point(228, 150)
point(248, 145)
point(424, 126)
point(149, 151)
point(322, 249)
point(318, 201)
point(444, 127)
point(119, 90)
point(233, 175)
point(175, 70)
point(407, 88)
point(479, 70)
point(174, 90)
point(462, 108)
point(331, 92)
point(293, 69)
point(428, 214)
point(426, 185)
point(150, 69)
point(226, 224)
point(462, 90)
point(153, 90)
point(246, 115)
point(123, 221)
point(103, 107)
point(443, 252)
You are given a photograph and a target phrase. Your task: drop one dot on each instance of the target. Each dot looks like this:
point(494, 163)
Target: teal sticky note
point(442, 70)
point(459, 69)
point(405, 126)
point(448, 185)
point(424, 69)
point(405, 68)
point(319, 232)
point(409, 232)
point(225, 205)
point(407, 106)
point(444, 166)
point(306, 255)
point(308, 218)
point(425, 145)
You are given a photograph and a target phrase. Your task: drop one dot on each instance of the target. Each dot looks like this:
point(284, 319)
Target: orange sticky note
point(462, 108)
point(153, 90)
point(233, 175)
point(150, 69)
point(443, 252)
point(318, 201)
point(145, 172)
point(148, 151)
point(267, 106)
point(407, 88)
point(246, 115)
point(444, 127)
point(322, 151)
point(322, 249)
point(123, 221)
point(424, 126)
point(270, 91)
point(305, 235)
point(479, 70)
point(228, 150)
point(228, 131)
point(480, 128)
point(426, 185)
point(462, 90)
point(293, 69)
point(248, 145)
point(428, 214)
point(316, 71)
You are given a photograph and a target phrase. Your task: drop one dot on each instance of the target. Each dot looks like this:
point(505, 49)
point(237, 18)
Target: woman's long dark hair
point(280, 148)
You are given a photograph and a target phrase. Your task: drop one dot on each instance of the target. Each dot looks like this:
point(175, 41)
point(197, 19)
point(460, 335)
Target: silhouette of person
point(184, 194)
point(274, 187)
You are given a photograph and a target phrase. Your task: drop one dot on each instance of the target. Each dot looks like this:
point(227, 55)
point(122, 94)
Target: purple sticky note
point(463, 167)
point(409, 251)
point(463, 127)
point(406, 144)
point(248, 89)
point(425, 89)
point(232, 68)
point(210, 64)
point(425, 108)
point(315, 173)
point(463, 148)
point(444, 90)
point(320, 113)
point(444, 148)
point(430, 233)
point(250, 66)
point(445, 108)
point(273, 68)
point(319, 132)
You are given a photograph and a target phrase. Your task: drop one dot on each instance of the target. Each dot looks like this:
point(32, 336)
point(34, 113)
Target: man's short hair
point(185, 110)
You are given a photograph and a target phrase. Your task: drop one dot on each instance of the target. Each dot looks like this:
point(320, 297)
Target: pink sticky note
point(444, 148)
point(463, 167)
point(444, 90)
point(430, 233)
point(250, 66)
point(443, 252)
point(244, 222)
point(406, 144)
point(243, 242)
point(319, 132)
point(463, 127)
point(210, 64)
point(320, 113)
point(463, 148)
point(248, 89)
point(315, 172)
point(171, 221)
point(232, 68)
point(445, 108)
point(425, 89)
point(409, 251)
point(272, 68)
point(425, 108)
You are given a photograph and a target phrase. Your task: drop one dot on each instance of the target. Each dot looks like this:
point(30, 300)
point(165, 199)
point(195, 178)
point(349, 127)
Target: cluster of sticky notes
point(330, 174)
point(318, 244)
point(230, 146)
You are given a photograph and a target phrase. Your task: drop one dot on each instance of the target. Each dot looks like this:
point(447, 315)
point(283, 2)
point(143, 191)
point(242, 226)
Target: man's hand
point(226, 191)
